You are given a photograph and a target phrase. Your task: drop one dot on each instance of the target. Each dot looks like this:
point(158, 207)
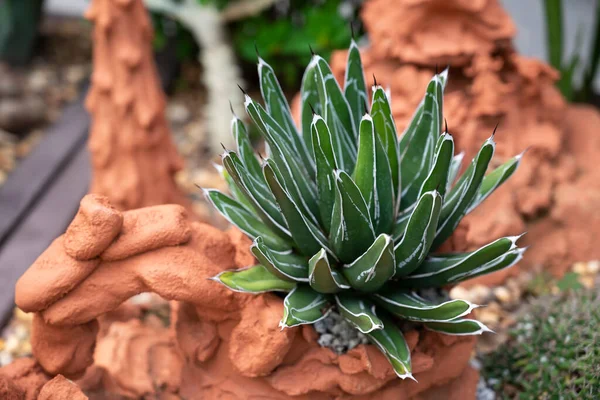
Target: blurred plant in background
point(19, 20)
point(568, 67)
point(281, 29)
point(553, 351)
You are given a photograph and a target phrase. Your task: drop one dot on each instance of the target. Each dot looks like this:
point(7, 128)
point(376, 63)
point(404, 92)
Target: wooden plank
point(35, 173)
point(42, 225)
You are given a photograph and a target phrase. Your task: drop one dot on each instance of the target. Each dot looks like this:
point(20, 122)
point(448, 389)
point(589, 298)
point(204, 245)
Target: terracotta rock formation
point(220, 344)
point(133, 157)
point(555, 194)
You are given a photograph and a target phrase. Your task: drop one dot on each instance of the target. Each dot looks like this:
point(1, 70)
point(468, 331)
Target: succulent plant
point(344, 213)
point(552, 351)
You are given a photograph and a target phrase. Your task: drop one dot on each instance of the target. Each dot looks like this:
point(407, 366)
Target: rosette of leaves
point(344, 214)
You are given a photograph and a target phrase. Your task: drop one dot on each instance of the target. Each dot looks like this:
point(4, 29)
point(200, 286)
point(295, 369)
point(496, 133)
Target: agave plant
point(344, 214)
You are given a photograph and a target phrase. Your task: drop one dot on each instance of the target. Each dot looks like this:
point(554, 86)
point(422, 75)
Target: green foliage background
point(281, 34)
point(553, 352)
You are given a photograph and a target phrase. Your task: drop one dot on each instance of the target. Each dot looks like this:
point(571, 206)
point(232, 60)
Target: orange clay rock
point(133, 157)
point(22, 380)
point(60, 388)
point(220, 344)
point(555, 194)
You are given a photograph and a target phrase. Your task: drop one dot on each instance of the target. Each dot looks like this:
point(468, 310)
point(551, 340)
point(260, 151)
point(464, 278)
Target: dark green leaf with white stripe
point(245, 150)
point(309, 97)
point(246, 221)
point(459, 327)
point(359, 311)
point(437, 179)
point(440, 270)
point(373, 177)
point(326, 164)
point(351, 230)
point(463, 193)
point(385, 127)
point(418, 235)
point(307, 237)
point(337, 114)
point(355, 89)
point(494, 179)
point(409, 305)
point(257, 193)
point(294, 174)
point(392, 344)
point(322, 277)
point(287, 266)
point(303, 306)
point(417, 144)
point(279, 109)
point(256, 279)
point(374, 268)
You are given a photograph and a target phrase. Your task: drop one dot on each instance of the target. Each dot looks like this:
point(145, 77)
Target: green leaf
point(246, 221)
point(454, 168)
point(351, 230)
point(246, 152)
point(359, 311)
point(392, 344)
point(322, 277)
point(303, 306)
point(440, 270)
point(294, 174)
point(287, 266)
point(411, 306)
point(462, 194)
point(355, 89)
point(237, 194)
point(256, 279)
point(494, 179)
point(385, 127)
point(326, 164)
point(374, 268)
point(417, 144)
point(309, 101)
point(418, 235)
point(279, 109)
point(459, 327)
point(338, 115)
point(307, 237)
point(438, 175)
point(373, 177)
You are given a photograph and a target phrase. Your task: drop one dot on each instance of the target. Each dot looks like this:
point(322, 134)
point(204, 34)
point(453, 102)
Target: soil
point(32, 97)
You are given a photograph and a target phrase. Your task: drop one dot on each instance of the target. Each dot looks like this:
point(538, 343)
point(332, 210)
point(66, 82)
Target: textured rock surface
point(133, 157)
point(220, 344)
point(554, 195)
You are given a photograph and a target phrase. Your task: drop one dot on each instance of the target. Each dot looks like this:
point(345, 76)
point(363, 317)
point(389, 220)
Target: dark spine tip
point(224, 148)
point(242, 89)
point(446, 123)
point(495, 129)
point(312, 109)
point(198, 186)
point(231, 108)
point(366, 108)
point(374, 80)
point(352, 30)
point(436, 69)
point(312, 52)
